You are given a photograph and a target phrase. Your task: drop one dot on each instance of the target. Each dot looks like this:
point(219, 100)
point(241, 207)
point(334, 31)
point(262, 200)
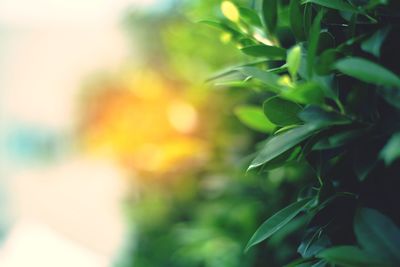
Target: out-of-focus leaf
point(306, 93)
point(254, 118)
point(281, 112)
point(350, 256)
point(271, 52)
point(391, 151)
point(377, 234)
point(268, 78)
point(373, 44)
point(276, 222)
point(294, 60)
point(367, 71)
point(296, 20)
point(334, 4)
point(270, 14)
point(313, 43)
point(250, 16)
point(325, 62)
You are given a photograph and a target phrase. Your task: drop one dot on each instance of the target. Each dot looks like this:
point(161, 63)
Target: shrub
point(325, 74)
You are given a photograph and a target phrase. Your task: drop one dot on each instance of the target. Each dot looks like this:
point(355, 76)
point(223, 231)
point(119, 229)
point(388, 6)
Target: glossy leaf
point(368, 71)
point(341, 5)
point(281, 112)
point(270, 14)
point(268, 78)
point(306, 93)
point(254, 118)
point(313, 43)
point(281, 143)
point(271, 52)
point(296, 20)
point(276, 222)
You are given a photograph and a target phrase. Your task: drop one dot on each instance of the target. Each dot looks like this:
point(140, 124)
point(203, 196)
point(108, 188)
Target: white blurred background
point(63, 210)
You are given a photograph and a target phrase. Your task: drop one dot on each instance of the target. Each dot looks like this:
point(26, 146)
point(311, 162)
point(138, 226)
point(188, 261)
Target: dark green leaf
point(281, 112)
point(318, 116)
point(271, 52)
point(270, 14)
point(374, 43)
point(313, 43)
point(296, 20)
point(334, 4)
point(367, 71)
point(276, 222)
point(250, 16)
point(281, 143)
point(325, 62)
point(377, 234)
point(350, 256)
point(391, 151)
point(254, 118)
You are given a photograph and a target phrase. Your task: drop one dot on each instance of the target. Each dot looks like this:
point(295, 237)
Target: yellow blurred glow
point(182, 116)
point(143, 123)
point(225, 37)
point(230, 11)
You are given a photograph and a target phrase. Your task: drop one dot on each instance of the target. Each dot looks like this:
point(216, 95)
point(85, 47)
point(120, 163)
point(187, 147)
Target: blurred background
point(114, 150)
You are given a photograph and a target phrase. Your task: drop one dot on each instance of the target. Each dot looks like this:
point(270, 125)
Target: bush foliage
point(324, 90)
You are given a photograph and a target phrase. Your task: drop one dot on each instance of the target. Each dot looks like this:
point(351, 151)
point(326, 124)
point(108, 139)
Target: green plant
point(327, 74)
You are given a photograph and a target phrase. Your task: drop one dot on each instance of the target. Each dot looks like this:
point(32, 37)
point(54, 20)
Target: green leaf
point(391, 151)
point(281, 143)
point(276, 222)
point(367, 71)
point(350, 256)
point(325, 62)
point(268, 78)
point(294, 60)
point(313, 43)
point(250, 16)
point(254, 118)
point(281, 112)
point(306, 93)
point(377, 234)
point(374, 43)
point(270, 14)
point(296, 20)
point(322, 118)
point(271, 52)
point(334, 4)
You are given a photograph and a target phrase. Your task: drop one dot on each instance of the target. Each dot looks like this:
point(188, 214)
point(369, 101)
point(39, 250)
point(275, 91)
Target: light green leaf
point(281, 112)
point(367, 71)
point(350, 256)
point(391, 151)
point(377, 234)
point(271, 52)
point(334, 4)
point(294, 60)
point(276, 222)
point(270, 14)
point(268, 78)
point(254, 118)
point(306, 93)
point(281, 143)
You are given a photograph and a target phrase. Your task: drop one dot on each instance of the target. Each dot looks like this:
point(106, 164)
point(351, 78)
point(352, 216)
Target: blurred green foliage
point(318, 82)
